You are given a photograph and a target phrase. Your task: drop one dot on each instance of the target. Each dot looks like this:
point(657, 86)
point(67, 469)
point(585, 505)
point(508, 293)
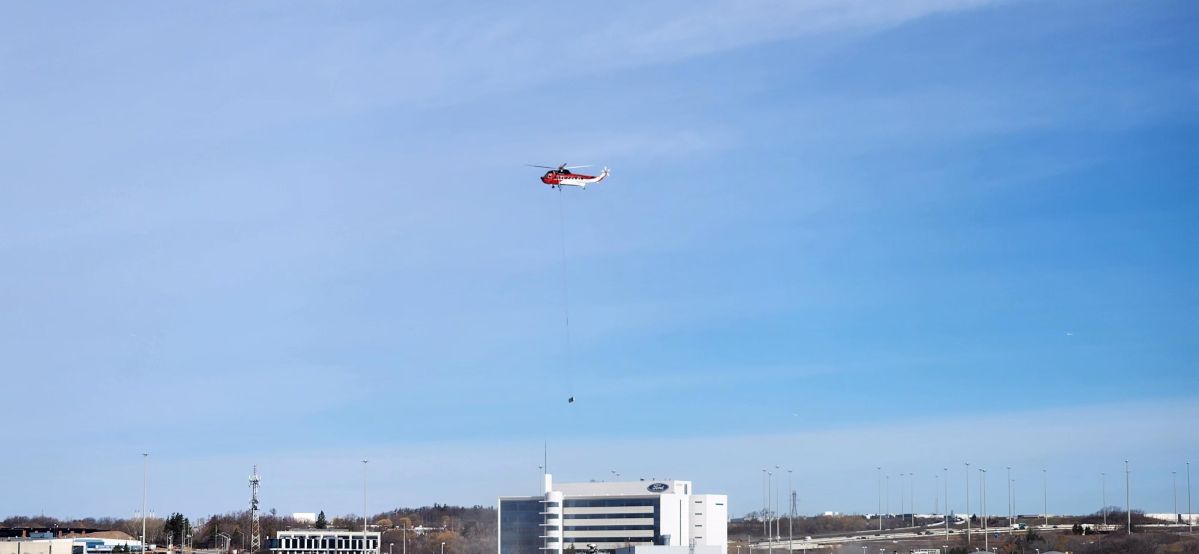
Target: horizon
point(836, 236)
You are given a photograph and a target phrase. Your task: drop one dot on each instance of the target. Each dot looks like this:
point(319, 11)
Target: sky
point(837, 236)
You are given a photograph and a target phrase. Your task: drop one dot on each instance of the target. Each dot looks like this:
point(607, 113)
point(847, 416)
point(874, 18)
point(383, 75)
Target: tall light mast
point(255, 524)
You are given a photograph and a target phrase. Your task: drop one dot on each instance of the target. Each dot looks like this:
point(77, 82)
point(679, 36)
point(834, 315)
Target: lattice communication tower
point(255, 525)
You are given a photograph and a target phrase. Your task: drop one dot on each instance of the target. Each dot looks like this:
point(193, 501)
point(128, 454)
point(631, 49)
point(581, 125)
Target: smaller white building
point(304, 517)
point(36, 546)
point(1175, 518)
point(324, 541)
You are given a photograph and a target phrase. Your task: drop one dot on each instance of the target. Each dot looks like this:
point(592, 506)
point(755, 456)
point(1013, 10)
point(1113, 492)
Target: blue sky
point(837, 235)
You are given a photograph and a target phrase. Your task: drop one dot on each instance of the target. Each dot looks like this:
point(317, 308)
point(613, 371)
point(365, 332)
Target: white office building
point(613, 516)
point(324, 541)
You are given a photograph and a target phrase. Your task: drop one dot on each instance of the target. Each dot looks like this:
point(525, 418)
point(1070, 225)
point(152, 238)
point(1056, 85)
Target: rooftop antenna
point(255, 524)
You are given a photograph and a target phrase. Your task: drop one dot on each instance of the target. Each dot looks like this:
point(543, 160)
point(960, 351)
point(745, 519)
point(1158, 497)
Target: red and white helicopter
point(562, 176)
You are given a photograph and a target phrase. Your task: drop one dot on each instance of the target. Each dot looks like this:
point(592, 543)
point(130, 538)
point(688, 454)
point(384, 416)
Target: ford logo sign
point(658, 487)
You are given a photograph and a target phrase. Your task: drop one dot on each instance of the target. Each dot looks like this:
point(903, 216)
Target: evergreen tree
point(321, 522)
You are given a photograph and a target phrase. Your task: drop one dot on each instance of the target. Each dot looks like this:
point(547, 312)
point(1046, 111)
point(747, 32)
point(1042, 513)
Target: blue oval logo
point(658, 487)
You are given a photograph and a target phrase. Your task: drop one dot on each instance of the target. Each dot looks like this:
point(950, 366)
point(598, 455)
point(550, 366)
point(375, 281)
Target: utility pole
point(936, 493)
point(901, 504)
point(1127, 497)
point(1190, 514)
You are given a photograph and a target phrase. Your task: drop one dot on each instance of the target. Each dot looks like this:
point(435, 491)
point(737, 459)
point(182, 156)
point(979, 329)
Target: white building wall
point(709, 516)
point(553, 521)
point(672, 518)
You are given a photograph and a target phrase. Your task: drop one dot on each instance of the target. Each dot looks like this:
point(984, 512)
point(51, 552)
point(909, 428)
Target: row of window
point(607, 516)
point(294, 545)
point(608, 527)
point(297, 542)
point(605, 502)
point(621, 540)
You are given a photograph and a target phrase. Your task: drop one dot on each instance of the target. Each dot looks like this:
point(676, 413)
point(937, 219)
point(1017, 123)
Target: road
point(928, 531)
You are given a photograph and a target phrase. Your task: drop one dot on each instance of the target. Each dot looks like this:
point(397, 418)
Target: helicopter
point(562, 176)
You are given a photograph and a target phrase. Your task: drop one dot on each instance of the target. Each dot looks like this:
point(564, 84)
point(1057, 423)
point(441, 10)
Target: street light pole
point(765, 503)
point(945, 472)
point(1009, 497)
point(1174, 487)
point(901, 504)
point(983, 484)
point(791, 515)
point(769, 488)
point(1103, 477)
point(145, 482)
point(967, 502)
point(363, 506)
point(1190, 514)
point(778, 533)
point(887, 485)
point(1127, 497)
point(1045, 495)
point(912, 496)
point(880, 493)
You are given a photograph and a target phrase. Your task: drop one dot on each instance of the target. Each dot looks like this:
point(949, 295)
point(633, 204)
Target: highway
point(929, 531)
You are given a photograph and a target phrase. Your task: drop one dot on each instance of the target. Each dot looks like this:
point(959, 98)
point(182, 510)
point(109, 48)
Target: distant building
point(324, 541)
point(36, 546)
point(45, 532)
point(1175, 518)
point(613, 516)
point(304, 517)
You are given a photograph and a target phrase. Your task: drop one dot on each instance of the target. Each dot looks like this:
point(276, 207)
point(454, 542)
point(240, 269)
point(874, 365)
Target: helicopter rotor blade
point(542, 166)
point(576, 166)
